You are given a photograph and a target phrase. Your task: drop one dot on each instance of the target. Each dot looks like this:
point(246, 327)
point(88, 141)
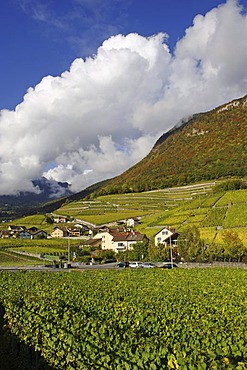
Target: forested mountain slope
point(210, 145)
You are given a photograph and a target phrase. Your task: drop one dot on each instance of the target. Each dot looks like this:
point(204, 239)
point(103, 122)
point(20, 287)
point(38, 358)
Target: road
point(111, 266)
point(42, 268)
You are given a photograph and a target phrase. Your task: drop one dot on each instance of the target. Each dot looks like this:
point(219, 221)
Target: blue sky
point(43, 37)
point(88, 86)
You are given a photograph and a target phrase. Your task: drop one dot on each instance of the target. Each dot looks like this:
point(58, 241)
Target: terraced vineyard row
point(114, 207)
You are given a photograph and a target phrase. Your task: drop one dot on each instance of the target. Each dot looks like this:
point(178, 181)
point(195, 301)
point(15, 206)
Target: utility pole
point(171, 252)
point(68, 250)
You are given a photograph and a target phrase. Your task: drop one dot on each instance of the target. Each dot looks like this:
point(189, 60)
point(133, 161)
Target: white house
point(132, 222)
point(60, 219)
point(119, 241)
point(166, 236)
point(58, 232)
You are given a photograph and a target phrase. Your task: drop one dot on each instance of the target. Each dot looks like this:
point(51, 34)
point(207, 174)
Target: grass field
point(10, 259)
point(236, 216)
point(30, 221)
point(9, 249)
point(55, 244)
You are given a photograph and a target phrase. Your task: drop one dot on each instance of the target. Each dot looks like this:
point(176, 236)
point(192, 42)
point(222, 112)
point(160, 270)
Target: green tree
point(158, 253)
point(191, 246)
point(49, 219)
point(105, 255)
point(233, 246)
point(140, 250)
point(215, 252)
point(125, 188)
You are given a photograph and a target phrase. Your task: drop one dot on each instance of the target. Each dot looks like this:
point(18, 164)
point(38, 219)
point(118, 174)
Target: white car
point(148, 265)
point(135, 264)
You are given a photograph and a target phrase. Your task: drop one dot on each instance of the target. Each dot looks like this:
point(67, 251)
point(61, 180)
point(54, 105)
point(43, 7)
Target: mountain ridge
point(210, 145)
point(28, 202)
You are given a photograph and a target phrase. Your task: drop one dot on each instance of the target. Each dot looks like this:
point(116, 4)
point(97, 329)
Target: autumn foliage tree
point(233, 246)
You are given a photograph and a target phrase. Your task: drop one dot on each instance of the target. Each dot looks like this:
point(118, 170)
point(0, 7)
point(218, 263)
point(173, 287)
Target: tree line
point(191, 248)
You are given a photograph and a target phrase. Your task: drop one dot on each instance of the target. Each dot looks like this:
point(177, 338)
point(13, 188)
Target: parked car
point(123, 264)
point(135, 264)
point(169, 265)
point(148, 265)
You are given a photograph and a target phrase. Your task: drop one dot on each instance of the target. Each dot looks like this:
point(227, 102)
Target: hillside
point(209, 146)
point(212, 207)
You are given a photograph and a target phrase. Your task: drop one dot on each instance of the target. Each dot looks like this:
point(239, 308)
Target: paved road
point(108, 266)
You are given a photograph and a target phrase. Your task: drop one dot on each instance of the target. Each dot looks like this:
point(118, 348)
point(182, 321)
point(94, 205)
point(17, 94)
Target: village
point(118, 237)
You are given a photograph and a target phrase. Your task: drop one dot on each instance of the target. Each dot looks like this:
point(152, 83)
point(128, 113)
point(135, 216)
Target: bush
point(231, 185)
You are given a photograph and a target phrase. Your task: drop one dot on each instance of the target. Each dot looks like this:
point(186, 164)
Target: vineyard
point(175, 319)
point(215, 212)
point(177, 207)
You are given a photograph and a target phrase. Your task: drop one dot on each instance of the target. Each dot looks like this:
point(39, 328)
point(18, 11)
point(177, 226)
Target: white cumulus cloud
point(105, 113)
